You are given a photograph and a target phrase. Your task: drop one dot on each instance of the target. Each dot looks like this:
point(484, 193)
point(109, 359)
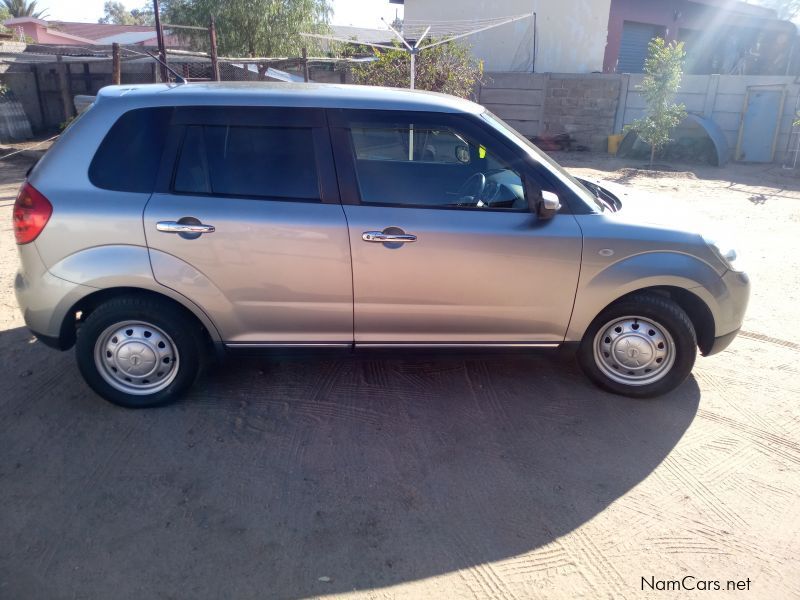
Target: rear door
point(246, 222)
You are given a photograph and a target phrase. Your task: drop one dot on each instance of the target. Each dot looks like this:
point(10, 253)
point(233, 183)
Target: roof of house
point(102, 33)
point(130, 37)
point(741, 7)
point(97, 31)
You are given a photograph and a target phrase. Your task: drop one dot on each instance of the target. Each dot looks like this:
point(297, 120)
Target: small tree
point(448, 68)
point(257, 28)
point(663, 71)
point(23, 8)
point(117, 14)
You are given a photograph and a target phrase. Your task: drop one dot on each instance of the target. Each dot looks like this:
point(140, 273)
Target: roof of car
point(314, 95)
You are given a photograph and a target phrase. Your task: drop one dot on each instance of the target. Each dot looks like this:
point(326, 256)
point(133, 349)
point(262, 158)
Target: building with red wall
point(65, 33)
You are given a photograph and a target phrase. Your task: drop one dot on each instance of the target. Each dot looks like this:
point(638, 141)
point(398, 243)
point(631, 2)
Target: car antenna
point(178, 77)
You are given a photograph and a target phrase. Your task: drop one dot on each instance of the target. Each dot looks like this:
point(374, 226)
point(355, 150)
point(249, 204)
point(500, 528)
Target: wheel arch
point(696, 309)
point(83, 307)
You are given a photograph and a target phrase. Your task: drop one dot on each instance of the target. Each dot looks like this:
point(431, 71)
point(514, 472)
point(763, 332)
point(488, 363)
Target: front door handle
point(381, 237)
point(178, 227)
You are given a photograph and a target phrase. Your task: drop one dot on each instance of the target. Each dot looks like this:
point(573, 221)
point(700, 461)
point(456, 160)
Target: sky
point(361, 13)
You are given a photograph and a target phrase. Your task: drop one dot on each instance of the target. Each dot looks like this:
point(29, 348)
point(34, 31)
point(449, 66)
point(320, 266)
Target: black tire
point(187, 337)
point(667, 315)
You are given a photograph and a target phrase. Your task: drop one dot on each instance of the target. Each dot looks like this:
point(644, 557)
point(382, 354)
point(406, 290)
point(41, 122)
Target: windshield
point(573, 184)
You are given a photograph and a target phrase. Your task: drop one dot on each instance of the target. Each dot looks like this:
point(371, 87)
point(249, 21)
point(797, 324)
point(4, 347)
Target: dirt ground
point(455, 478)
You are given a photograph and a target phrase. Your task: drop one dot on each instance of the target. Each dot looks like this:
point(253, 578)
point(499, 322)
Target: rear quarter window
point(129, 156)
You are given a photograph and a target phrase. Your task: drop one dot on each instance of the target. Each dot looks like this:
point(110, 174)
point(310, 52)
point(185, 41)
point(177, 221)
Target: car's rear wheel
point(139, 352)
point(644, 345)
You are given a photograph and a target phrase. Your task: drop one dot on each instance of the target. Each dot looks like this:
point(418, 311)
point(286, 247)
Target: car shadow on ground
point(298, 478)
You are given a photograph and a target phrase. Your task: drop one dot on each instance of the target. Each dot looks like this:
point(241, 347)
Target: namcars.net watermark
point(690, 583)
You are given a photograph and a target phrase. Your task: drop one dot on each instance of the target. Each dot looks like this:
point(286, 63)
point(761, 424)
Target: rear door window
point(248, 161)
point(129, 156)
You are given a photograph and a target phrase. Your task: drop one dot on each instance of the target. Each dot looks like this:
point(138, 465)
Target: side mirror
point(542, 204)
point(549, 205)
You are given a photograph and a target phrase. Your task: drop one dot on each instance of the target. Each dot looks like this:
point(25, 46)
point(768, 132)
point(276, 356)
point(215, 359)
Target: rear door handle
point(178, 227)
point(380, 237)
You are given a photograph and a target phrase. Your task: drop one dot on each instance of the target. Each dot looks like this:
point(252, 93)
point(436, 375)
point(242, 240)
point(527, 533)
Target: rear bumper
point(57, 343)
point(44, 299)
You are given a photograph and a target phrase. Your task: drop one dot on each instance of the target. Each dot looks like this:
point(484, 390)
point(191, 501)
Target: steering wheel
point(473, 187)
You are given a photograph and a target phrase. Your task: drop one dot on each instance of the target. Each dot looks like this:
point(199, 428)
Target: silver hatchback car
point(171, 224)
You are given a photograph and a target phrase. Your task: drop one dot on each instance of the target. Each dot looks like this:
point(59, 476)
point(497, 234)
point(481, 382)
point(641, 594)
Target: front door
point(444, 248)
point(248, 225)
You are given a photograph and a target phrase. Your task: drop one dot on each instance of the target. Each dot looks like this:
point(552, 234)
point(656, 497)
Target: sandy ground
point(479, 478)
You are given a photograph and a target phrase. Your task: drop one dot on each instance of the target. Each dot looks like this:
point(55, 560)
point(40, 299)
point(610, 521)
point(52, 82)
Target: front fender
point(600, 285)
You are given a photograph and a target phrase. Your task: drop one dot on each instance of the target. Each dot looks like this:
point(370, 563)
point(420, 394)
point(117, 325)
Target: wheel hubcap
point(634, 350)
point(136, 357)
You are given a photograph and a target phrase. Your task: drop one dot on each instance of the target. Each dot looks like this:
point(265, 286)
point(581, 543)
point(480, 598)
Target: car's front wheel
point(641, 346)
point(139, 352)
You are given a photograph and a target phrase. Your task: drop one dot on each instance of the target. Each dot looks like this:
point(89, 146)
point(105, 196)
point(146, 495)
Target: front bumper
point(730, 306)
point(722, 342)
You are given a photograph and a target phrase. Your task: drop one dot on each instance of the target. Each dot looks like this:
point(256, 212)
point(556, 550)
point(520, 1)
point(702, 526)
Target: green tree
point(663, 72)
point(449, 68)
point(116, 13)
point(22, 8)
point(268, 28)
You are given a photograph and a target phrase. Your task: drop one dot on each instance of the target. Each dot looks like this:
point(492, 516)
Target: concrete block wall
point(593, 106)
point(23, 84)
point(550, 103)
point(517, 98)
point(720, 98)
point(584, 106)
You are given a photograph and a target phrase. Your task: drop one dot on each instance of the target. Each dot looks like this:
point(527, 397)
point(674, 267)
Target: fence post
point(161, 49)
point(711, 96)
point(305, 65)
point(35, 70)
point(212, 32)
point(116, 67)
point(63, 87)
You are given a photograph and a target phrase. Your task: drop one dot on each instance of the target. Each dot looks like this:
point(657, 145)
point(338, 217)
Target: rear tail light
point(31, 213)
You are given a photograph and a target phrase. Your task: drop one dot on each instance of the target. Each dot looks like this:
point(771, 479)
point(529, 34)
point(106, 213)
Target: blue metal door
point(633, 45)
point(760, 123)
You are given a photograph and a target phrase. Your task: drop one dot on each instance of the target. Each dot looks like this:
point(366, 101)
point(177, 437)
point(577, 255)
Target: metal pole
point(413, 67)
point(212, 32)
point(533, 60)
point(305, 65)
point(116, 68)
point(161, 49)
